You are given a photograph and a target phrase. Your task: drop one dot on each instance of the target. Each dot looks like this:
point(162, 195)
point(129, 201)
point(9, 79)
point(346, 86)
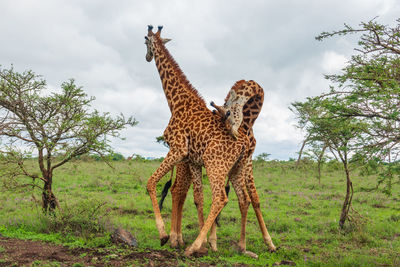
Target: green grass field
point(301, 215)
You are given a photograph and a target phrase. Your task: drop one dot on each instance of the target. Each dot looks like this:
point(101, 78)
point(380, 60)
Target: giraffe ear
point(165, 40)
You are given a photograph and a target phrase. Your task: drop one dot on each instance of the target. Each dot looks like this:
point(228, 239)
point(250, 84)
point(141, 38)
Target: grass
point(301, 215)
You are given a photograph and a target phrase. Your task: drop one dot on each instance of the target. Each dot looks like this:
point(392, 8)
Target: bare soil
point(16, 252)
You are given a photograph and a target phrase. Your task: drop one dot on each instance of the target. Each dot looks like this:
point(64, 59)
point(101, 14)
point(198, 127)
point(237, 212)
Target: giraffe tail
point(164, 192)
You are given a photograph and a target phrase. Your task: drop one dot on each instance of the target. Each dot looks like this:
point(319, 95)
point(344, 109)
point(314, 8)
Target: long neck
point(251, 110)
point(176, 87)
point(255, 94)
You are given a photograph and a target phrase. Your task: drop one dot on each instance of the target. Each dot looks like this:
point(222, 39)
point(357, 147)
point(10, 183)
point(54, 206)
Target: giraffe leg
point(172, 158)
point(212, 240)
point(219, 200)
point(179, 192)
point(255, 201)
point(198, 196)
point(237, 179)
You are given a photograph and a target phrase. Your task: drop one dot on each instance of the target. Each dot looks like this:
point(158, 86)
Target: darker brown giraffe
point(252, 95)
point(195, 137)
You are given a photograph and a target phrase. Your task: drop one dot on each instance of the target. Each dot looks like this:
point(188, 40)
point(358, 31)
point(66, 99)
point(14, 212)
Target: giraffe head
point(232, 110)
point(152, 41)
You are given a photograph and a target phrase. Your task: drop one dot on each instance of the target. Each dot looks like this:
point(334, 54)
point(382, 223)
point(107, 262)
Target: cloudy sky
point(100, 44)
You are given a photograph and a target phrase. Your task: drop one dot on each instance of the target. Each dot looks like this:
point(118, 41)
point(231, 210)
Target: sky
point(100, 44)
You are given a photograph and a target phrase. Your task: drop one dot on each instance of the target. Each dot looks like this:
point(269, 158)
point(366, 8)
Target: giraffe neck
point(251, 110)
point(177, 88)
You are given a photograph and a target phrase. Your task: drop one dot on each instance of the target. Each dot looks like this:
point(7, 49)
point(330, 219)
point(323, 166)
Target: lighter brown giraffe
point(253, 96)
point(195, 137)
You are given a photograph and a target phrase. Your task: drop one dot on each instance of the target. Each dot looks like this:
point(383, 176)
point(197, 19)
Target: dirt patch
point(379, 206)
point(15, 252)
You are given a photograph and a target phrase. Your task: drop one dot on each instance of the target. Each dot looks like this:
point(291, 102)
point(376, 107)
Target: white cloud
point(101, 45)
point(332, 62)
point(275, 122)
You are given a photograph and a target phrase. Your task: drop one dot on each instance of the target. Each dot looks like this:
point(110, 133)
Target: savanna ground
point(301, 216)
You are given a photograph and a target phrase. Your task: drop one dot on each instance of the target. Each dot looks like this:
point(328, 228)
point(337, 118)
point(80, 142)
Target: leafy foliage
point(368, 90)
point(161, 140)
point(263, 156)
point(57, 127)
point(360, 116)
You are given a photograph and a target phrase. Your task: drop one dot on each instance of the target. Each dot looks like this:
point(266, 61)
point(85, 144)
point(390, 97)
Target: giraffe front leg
point(170, 160)
point(212, 240)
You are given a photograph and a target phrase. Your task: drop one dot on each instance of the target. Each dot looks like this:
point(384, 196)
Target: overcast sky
point(100, 44)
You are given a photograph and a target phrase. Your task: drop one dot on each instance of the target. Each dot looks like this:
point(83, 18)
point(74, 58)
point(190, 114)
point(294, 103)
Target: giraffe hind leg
point(238, 181)
point(255, 201)
point(219, 200)
point(198, 196)
point(179, 191)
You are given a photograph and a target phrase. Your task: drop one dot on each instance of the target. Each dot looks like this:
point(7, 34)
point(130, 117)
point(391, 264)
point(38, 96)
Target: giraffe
point(245, 99)
point(195, 138)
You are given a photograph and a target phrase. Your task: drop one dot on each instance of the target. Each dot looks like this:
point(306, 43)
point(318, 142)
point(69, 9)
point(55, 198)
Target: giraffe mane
point(180, 73)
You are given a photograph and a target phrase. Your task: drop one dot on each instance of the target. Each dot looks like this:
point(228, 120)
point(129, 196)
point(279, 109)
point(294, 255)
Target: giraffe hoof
point(164, 240)
point(202, 251)
point(188, 252)
point(213, 245)
point(250, 254)
point(174, 244)
point(272, 248)
point(177, 244)
point(181, 243)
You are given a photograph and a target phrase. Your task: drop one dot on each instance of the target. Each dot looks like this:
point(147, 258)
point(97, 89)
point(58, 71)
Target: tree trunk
point(320, 157)
point(348, 198)
point(301, 152)
point(49, 200)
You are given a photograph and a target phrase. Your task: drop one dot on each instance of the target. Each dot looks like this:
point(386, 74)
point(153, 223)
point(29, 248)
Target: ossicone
point(150, 30)
point(159, 30)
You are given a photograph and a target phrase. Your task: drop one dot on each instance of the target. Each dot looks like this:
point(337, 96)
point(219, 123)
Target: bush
point(86, 220)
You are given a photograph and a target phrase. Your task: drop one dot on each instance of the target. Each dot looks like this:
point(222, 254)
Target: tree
point(55, 128)
point(161, 140)
point(368, 89)
point(336, 133)
point(263, 156)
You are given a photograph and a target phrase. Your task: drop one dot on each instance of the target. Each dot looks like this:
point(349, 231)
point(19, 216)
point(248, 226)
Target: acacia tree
point(368, 89)
point(55, 127)
point(336, 133)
